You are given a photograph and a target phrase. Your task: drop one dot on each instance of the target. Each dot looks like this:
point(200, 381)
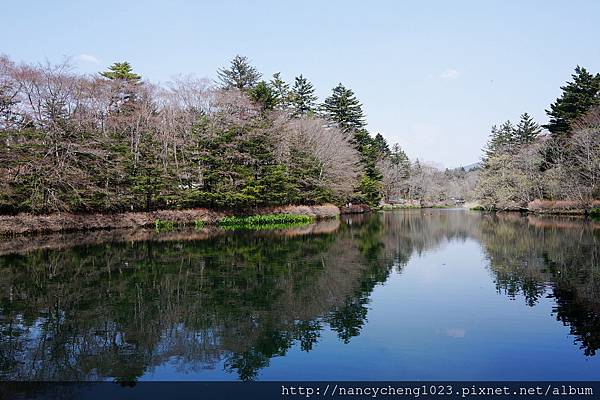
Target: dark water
point(423, 294)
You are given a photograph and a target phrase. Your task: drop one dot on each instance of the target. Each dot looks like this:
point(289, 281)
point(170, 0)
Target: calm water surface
point(416, 294)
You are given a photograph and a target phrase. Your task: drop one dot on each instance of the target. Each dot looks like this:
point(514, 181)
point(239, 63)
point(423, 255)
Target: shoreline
point(20, 244)
point(535, 207)
point(25, 223)
point(549, 207)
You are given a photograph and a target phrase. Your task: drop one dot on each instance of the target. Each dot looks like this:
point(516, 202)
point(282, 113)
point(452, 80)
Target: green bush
point(163, 226)
point(271, 221)
point(595, 213)
point(199, 224)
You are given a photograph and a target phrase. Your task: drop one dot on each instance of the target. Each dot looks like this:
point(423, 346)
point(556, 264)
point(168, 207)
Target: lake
point(399, 295)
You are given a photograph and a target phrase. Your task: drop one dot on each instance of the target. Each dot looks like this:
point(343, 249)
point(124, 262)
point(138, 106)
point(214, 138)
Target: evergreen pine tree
point(281, 91)
point(399, 159)
point(240, 75)
point(263, 95)
point(577, 98)
point(381, 145)
point(122, 71)
point(125, 90)
point(526, 130)
point(501, 139)
point(303, 97)
point(9, 117)
point(344, 109)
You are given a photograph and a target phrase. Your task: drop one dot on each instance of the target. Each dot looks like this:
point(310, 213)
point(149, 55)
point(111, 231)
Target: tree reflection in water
point(115, 308)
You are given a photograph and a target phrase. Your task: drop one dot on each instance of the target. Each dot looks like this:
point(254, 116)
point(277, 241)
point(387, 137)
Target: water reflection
point(121, 303)
point(554, 257)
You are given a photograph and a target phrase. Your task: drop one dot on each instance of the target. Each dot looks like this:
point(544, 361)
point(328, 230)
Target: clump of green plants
point(595, 213)
point(388, 207)
point(477, 208)
point(199, 224)
point(163, 225)
point(271, 221)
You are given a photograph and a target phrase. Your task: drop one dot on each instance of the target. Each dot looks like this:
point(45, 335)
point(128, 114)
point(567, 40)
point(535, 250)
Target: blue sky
point(432, 76)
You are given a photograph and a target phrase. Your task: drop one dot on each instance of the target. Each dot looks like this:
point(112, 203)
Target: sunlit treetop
point(121, 70)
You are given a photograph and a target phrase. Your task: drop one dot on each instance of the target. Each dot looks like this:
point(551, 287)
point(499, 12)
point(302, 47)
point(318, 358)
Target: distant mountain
point(471, 167)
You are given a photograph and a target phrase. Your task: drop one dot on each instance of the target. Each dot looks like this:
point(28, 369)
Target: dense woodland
point(114, 142)
point(524, 162)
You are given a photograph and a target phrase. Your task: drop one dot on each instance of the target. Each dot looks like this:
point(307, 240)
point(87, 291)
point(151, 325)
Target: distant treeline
point(113, 141)
point(522, 163)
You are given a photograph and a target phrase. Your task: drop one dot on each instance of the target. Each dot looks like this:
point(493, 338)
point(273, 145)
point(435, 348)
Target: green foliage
point(281, 91)
point(264, 95)
point(501, 139)
point(119, 145)
point(381, 145)
point(122, 71)
point(149, 182)
point(577, 98)
point(302, 98)
point(508, 138)
point(519, 168)
point(163, 226)
point(199, 224)
point(369, 191)
point(272, 221)
point(240, 75)
point(595, 213)
point(240, 171)
point(399, 159)
point(343, 108)
point(370, 186)
point(526, 131)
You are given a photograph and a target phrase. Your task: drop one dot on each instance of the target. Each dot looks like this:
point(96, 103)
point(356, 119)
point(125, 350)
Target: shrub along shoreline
point(164, 219)
point(547, 207)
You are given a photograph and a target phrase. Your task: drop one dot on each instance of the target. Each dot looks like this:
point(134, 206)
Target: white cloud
point(88, 58)
point(450, 74)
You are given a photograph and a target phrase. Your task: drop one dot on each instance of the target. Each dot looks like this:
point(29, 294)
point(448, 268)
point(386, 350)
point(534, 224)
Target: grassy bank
point(250, 222)
point(389, 207)
point(273, 221)
point(166, 220)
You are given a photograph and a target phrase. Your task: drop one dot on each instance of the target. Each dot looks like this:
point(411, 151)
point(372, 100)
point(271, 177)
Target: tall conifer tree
point(123, 71)
point(240, 74)
point(526, 130)
point(281, 91)
point(501, 139)
point(303, 97)
point(343, 108)
point(577, 98)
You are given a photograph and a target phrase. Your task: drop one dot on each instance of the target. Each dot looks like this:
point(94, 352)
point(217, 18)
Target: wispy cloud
point(450, 74)
point(88, 58)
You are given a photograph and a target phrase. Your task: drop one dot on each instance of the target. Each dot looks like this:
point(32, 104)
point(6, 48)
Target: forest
point(560, 161)
point(114, 142)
